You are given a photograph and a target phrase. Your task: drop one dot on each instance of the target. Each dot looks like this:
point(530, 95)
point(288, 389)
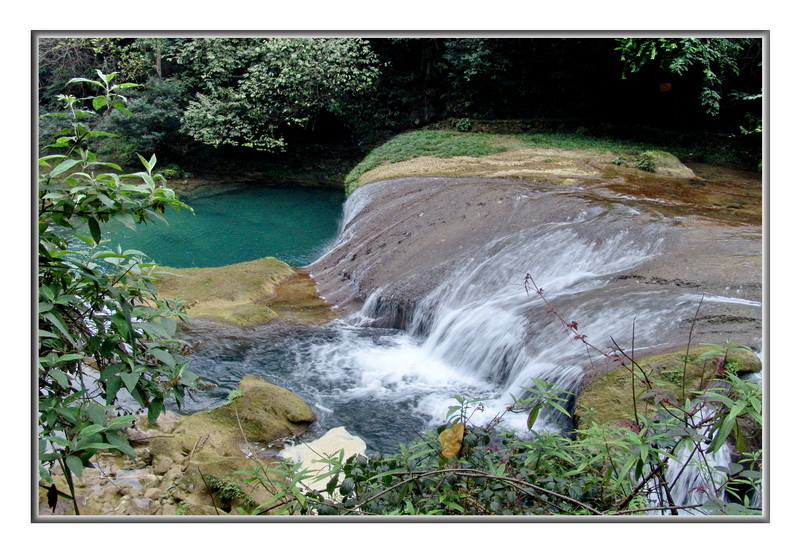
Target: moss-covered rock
point(609, 398)
point(247, 293)
point(261, 412)
point(655, 161)
point(232, 294)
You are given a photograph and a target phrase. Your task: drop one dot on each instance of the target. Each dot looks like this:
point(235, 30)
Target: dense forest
point(217, 99)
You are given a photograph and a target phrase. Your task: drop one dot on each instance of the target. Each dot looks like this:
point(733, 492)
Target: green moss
point(262, 412)
point(609, 399)
point(448, 143)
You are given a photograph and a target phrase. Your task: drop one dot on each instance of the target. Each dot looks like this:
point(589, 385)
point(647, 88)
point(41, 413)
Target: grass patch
point(449, 143)
point(426, 142)
point(572, 141)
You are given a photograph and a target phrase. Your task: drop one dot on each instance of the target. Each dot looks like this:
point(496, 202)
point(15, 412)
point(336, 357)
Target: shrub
point(464, 124)
point(103, 330)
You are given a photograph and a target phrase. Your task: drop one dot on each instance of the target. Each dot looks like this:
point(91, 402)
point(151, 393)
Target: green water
point(240, 224)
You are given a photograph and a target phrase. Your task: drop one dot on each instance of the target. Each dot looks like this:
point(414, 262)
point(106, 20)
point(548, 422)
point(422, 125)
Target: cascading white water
point(481, 323)
point(693, 476)
point(481, 328)
point(474, 330)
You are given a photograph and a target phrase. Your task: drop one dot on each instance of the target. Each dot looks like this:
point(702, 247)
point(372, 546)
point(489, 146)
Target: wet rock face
point(412, 233)
point(405, 241)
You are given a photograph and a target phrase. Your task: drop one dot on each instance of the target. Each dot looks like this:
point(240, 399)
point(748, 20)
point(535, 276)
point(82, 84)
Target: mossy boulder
point(665, 163)
point(656, 161)
point(259, 412)
point(236, 293)
point(248, 293)
point(609, 398)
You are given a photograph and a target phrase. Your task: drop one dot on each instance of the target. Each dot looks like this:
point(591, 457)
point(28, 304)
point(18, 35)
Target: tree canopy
point(269, 93)
point(251, 88)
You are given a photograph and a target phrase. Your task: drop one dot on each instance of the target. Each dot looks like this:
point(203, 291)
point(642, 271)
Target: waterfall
point(480, 321)
point(466, 323)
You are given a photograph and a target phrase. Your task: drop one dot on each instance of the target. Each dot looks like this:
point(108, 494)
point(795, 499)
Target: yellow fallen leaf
point(450, 439)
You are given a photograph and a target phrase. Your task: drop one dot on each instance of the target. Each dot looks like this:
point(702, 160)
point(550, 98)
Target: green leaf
point(60, 377)
point(97, 414)
point(113, 384)
point(145, 163)
point(163, 356)
point(92, 134)
point(56, 321)
point(121, 107)
point(532, 415)
point(121, 422)
point(121, 444)
point(105, 200)
point(69, 358)
point(75, 465)
point(90, 430)
point(66, 165)
point(126, 219)
point(99, 102)
point(130, 380)
point(82, 80)
point(154, 410)
point(94, 229)
point(94, 446)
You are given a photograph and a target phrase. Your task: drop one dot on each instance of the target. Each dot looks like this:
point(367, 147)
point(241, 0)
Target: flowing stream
point(478, 333)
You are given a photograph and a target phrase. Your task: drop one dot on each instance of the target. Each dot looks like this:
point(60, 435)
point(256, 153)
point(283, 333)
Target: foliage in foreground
point(466, 469)
point(106, 345)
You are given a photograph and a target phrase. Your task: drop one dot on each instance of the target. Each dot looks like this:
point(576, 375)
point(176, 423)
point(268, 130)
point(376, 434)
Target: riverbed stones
point(178, 468)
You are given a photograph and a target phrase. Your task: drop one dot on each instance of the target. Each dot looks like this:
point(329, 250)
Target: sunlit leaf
point(532, 415)
point(450, 439)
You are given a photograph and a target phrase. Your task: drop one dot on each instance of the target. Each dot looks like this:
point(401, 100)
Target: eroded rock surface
point(409, 240)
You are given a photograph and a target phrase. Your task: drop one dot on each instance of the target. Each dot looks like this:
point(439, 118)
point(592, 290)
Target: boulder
point(607, 399)
point(663, 163)
point(259, 412)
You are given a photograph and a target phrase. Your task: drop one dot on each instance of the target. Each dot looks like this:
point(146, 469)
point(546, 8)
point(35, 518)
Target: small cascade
point(481, 322)
point(693, 476)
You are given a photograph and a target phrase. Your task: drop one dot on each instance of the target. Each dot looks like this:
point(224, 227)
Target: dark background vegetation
point(604, 87)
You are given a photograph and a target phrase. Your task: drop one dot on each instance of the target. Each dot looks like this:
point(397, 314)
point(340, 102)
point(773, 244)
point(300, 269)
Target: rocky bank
point(187, 465)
